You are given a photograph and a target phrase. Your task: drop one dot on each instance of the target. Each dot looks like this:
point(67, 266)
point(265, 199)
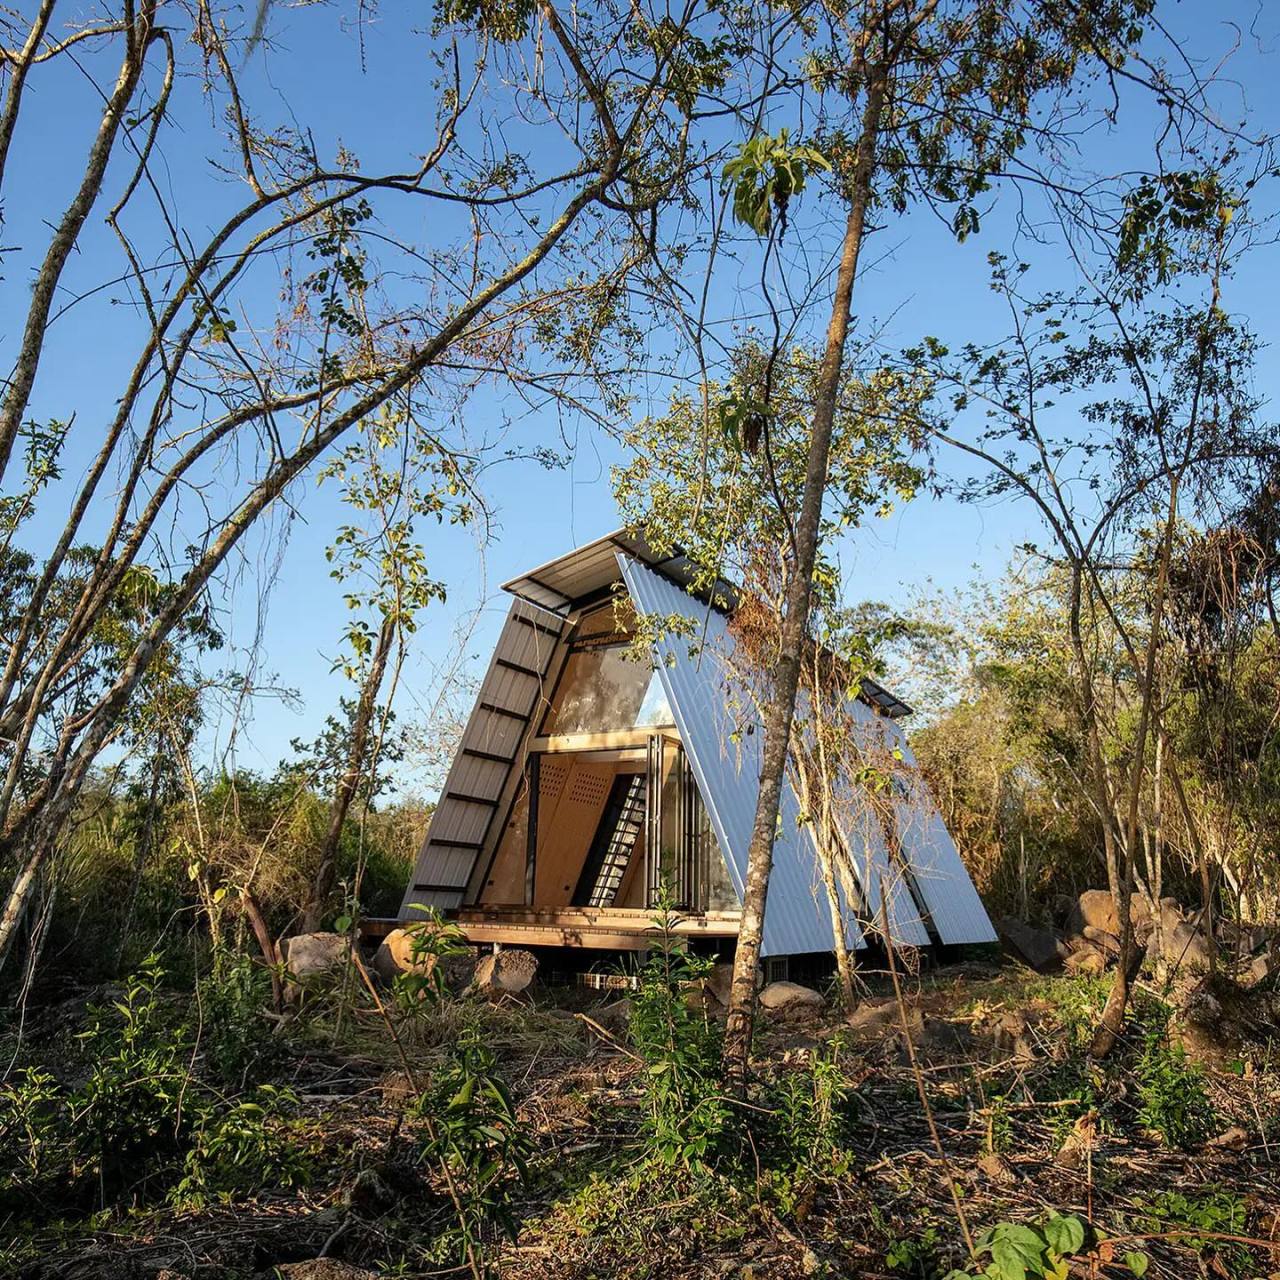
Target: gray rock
point(719, 981)
point(785, 996)
point(1186, 948)
point(1100, 938)
point(1096, 908)
point(307, 955)
point(505, 972)
point(1039, 948)
point(874, 1017)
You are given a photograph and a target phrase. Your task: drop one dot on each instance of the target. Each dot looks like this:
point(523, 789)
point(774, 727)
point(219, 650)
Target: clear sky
point(376, 91)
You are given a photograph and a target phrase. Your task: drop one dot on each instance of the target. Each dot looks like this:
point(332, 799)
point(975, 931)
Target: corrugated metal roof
point(939, 877)
point(586, 573)
point(724, 746)
point(934, 878)
point(492, 745)
point(581, 574)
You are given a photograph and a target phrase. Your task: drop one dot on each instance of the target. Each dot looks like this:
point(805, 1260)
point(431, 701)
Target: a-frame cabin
point(585, 780)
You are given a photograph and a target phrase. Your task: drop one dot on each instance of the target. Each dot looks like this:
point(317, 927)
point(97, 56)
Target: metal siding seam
point(939, 874)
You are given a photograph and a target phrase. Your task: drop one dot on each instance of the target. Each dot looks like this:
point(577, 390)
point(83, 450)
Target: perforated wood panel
point(565, 827)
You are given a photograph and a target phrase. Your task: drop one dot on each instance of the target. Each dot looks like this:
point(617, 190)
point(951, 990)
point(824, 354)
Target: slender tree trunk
point(1109, 1028)
point(780, 709)
point(349, 781)
point(15, 906)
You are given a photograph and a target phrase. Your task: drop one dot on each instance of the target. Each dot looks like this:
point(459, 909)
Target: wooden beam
point(558, 742)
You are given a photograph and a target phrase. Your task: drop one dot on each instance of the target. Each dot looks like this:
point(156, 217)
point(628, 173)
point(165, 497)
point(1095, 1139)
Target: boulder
point(1257, 971)
point(1094, 908)
point(369, 1195)
point(1038, 948)
point(307, 955)
point(718, 983)
point(1086, 960)
point(395, 955)
point(505, 972)
point(874, 1017)
point(784, 997)
point(323, 1269)
point(1014, 1036)
point(1185, 948)
point(1101, 939)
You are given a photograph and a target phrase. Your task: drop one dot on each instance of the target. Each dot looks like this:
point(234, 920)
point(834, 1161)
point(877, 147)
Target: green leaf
point(1137, 1263)
point(1064, 1234)
point(1017, 1250)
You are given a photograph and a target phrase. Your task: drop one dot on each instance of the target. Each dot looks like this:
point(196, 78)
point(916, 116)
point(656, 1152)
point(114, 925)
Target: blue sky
point(917, 281)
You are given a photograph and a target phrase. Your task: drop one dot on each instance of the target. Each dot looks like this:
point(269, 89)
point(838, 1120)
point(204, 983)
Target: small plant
point(686, 1115)
point(803, 1139)
point(1173, 1100)
point(250, 1144)
point(1215, 1212)
point(129, 1111)
point(1044, 1250)
point(237, 1041)
point(433, 940)
point(914, 1256)
point(31, 1132)
point(472, 1130)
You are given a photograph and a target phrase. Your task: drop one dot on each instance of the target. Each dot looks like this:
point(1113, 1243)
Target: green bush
point(686, 1116)
point(472, 1130)
point(142, 1125)
point(1172, 1098)
point(248, 1144)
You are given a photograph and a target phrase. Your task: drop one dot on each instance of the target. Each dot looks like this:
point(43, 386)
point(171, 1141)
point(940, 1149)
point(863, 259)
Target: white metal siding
point(465, 823)
point(939, 876)
point(725, 758)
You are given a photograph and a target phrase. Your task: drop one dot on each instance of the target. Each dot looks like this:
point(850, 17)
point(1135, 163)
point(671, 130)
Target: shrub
point(686, 1117)
point(803, 1130)
point(1171, 1092)
point(245, 1145)
point(472, 1129)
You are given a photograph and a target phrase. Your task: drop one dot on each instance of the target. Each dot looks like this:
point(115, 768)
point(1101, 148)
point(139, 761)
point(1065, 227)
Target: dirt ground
point(1022, 1127)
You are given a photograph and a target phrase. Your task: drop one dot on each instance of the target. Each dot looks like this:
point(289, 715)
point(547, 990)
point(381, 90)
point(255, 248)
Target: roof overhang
point(588, 575)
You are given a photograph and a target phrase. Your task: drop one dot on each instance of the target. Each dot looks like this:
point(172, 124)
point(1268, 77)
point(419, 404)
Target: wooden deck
point(602, 929)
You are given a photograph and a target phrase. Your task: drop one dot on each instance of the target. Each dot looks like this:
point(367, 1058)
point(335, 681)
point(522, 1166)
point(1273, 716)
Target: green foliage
point(1213, 1211)
point(804, 1135)
point(142, 1125)
point(686, 1116)
point(247, 1144)
point(765, 175)
point(237, 1040)
point(473, 1130)
point(434, 940)
point(129, 1110)
point(914, 1256)
point(505, 21)
point(1045, 1249)
point(1171, 1091)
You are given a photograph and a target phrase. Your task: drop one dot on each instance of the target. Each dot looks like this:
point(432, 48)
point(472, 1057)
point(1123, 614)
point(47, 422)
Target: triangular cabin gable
point(585, 779)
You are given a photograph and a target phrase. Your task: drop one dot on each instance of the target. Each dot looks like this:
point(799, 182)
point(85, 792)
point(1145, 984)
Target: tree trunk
point(349, 782)
point(1108, 1031)
point(780, 709)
